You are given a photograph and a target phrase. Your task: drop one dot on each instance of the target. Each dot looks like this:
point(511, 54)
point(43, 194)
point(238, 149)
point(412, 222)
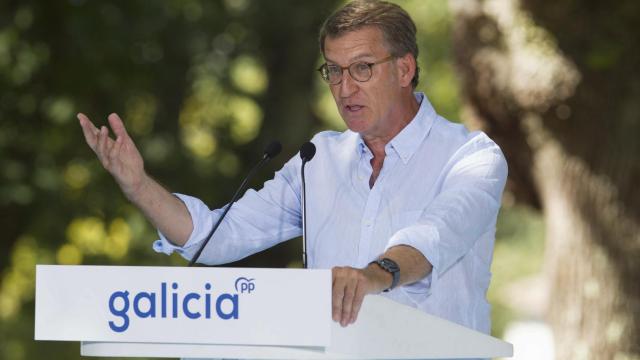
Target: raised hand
point(123, 160)
point(120, 157)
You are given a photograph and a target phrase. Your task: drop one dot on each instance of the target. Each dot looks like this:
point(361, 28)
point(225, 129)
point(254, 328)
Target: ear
point(406, 69)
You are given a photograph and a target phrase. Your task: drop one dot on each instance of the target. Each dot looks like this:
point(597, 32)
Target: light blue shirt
point(439, 191)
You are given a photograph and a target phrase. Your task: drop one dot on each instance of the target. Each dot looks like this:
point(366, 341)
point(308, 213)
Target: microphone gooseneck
point(270, 152)
point(307, 152)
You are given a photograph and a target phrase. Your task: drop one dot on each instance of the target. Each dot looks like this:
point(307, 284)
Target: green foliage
point(191, 80)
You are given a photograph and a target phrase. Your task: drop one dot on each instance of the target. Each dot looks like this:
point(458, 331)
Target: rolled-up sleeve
point(461, 213)
point(202, 218)
point(259, 220)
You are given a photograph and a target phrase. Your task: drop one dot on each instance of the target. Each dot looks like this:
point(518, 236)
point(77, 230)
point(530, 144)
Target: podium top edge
point(56, 266)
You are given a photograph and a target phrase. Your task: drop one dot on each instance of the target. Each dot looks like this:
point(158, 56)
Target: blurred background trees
point(203, 85)
point(557, 85)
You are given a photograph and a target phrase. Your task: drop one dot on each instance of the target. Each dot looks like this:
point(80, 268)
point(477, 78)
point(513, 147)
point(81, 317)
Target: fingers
point(115, 149)
point(101, 144)
point(347, 302)
point(98, 139)
point(349, 289)
point(357, 303)
point(117, 126)
point(89, 130)
point(104, 147)
point(337, 294)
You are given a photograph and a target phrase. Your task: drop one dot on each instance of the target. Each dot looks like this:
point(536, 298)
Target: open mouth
point(354, 108)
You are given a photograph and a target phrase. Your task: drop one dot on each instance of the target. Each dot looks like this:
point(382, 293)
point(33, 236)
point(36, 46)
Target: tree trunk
point(594, 305)
point(563, 107)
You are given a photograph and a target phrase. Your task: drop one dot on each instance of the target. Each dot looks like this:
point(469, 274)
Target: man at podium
point(403, 203)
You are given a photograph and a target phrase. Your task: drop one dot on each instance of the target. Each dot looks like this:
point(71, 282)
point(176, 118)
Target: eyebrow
point(355, 59)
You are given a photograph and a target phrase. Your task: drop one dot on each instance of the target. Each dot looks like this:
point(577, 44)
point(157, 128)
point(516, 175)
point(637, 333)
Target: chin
point(357, 126)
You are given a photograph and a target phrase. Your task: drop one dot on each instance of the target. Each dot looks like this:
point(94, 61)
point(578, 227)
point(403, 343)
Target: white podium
point(235, 313)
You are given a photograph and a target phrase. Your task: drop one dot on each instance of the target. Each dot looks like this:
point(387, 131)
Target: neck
point(408, 108)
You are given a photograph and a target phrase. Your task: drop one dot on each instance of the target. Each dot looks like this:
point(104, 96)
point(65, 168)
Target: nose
point(348, 86)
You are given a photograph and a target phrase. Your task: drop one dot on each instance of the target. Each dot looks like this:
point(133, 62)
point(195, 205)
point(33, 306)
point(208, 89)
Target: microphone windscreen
point(307, 151)
point(272, 149)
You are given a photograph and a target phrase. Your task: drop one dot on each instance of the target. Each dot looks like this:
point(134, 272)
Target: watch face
point(389, 265)
point(393, 268)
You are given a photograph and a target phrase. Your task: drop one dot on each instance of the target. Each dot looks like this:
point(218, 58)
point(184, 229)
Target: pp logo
point(244, 285)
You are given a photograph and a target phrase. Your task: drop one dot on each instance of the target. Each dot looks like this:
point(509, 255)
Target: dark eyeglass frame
point(324, 70)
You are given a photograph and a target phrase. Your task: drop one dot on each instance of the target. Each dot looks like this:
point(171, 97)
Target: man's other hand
point(350, 285)
point(120, 157)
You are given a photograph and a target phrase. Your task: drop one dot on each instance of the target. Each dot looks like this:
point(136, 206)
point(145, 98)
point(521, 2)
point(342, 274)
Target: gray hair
point(397, 27)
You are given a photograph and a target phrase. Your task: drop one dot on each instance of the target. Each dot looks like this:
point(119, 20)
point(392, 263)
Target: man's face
point(366, 107)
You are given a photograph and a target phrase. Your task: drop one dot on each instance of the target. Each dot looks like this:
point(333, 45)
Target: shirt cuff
point(197, 209)
point(423, 238)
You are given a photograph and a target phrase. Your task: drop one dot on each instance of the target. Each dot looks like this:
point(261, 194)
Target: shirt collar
point(406, 143)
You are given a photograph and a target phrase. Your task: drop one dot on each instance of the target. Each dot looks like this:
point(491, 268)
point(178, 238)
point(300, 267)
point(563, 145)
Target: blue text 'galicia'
point(171, 304)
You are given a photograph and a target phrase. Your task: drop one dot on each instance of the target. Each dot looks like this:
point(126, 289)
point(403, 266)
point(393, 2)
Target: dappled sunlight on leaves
point(236, 6)
point(87, 234)
point(432, 17)
point(69, 254)
point(228, 164)
point(117, 243)
point(205, 103)
point(27, 104)
point(140, 112)
point(13, 170)
point(210, 110)
point(247, 117)
point(9, 305)
point(23, 17)
point(199, 141)
point(76, 176)
point(59, 109)
point(16, 193)
point(156, 148)
point(18, 281)
point(200, 114)
point(440, 85)
point(23, 59)
point(47, 178)
point(147, 52)
point(437, 75)
point(91, 236)
point(248, 75)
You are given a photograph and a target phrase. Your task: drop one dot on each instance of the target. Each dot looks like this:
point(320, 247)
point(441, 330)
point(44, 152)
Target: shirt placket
point(371, 208)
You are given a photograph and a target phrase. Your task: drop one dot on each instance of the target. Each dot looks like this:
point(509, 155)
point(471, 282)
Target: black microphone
point(270, 152)
point(307, 152)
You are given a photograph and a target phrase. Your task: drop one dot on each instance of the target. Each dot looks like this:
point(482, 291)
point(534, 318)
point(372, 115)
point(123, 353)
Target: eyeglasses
point(359, 71)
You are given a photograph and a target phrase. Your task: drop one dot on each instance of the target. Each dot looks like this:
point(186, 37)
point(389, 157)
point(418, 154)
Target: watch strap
point(391, 267)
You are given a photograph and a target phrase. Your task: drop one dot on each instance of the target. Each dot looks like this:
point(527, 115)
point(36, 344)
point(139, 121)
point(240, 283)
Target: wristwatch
point(391, 267)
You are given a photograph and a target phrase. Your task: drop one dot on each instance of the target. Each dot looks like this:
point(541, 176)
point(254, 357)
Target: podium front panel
point(183, 305)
